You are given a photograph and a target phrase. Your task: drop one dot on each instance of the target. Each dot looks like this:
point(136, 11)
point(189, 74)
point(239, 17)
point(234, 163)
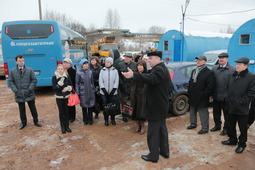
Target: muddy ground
point(100, 147)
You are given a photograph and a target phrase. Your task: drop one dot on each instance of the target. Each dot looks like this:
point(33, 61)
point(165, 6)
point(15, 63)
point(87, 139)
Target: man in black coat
point(125, 84)
point(251, 118)
point(201, 86)
point(156, 90)
point(241, 92)
point(22, 81)
point(222, 71)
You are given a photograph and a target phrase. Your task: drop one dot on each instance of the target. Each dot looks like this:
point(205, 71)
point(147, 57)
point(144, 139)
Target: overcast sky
point(138, 15)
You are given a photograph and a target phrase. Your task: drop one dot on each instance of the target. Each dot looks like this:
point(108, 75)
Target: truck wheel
point(180, 105)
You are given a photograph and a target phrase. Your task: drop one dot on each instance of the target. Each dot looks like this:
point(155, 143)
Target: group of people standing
point(233, 91)
point(149, 93)
point(116, 81)
point(98, 84)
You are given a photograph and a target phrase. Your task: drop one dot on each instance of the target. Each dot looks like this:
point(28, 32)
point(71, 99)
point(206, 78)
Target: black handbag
point(110, 109)
point(96, 108)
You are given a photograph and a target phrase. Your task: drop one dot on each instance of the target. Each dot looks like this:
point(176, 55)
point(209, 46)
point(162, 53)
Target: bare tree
point(112, 19)
point(230, 30)
point(156, 30)
point(65, 20)
point(92, 36)
point(92, 27)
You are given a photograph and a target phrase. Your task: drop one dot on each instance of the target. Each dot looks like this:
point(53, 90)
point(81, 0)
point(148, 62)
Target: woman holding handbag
point(71, 73)
point(62, 85)
point(109, 83)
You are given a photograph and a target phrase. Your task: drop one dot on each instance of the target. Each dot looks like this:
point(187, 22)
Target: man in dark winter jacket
point(125, 84)
point(251, 118)
point(222, 71)
point(201, 86)
point(241, 92)
point(156, 92)
point(22, 81)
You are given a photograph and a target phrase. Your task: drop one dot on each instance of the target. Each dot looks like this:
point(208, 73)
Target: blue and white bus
point(44, 44)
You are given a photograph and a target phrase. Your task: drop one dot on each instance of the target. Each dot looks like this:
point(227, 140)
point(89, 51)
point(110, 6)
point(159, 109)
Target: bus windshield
point(29, 31)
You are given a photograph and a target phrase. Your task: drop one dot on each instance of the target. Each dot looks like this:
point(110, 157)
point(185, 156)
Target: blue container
point(242, 44)
point(176, 47)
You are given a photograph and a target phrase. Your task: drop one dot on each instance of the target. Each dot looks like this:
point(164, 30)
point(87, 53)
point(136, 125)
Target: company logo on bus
point(30, 50)
point(32, 43)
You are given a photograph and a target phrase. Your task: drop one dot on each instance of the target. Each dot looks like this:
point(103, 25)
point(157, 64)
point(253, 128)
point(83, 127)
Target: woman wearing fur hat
point(62, 86)
point(109, 83)
point(86, 90)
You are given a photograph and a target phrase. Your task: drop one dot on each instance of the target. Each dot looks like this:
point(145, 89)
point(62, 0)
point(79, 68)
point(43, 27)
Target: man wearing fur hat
point(156, 91)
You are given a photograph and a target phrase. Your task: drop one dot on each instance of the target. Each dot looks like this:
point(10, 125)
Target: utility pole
point(40, 9)
point(182, 31)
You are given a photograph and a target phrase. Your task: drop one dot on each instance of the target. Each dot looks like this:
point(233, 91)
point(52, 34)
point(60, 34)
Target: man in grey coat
point(222, 73)
point(22, 81)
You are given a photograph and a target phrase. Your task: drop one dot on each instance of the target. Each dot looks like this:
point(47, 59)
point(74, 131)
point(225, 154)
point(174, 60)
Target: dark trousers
point(110, 99)
point(219, 106)
point(252, 113)
point(63, 113)
point(242, 121)
point(22, 110)
point(157, 139)
point(72, 112)
point(87, 115)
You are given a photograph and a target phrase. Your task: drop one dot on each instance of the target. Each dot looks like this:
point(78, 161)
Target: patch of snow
point(3, 150)
point(138, 144)
point(207, 34)
point(57, 162)
point(76, 137)
point(95, 144)
point(31, 142)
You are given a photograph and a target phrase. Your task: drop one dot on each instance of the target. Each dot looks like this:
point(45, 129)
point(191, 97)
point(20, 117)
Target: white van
point(212, 56)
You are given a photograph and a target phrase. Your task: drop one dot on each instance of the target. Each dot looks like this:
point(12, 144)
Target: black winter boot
point(63, 129)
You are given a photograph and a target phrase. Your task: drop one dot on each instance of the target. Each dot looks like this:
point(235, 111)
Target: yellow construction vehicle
point(103, 46)
point(93, 50)
point(155, 45)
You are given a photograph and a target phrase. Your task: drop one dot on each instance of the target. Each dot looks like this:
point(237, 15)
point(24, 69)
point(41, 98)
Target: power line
point(209, 22)
point(234, 12)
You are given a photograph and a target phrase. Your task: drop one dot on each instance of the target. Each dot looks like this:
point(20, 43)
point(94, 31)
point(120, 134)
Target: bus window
point(29, 31)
